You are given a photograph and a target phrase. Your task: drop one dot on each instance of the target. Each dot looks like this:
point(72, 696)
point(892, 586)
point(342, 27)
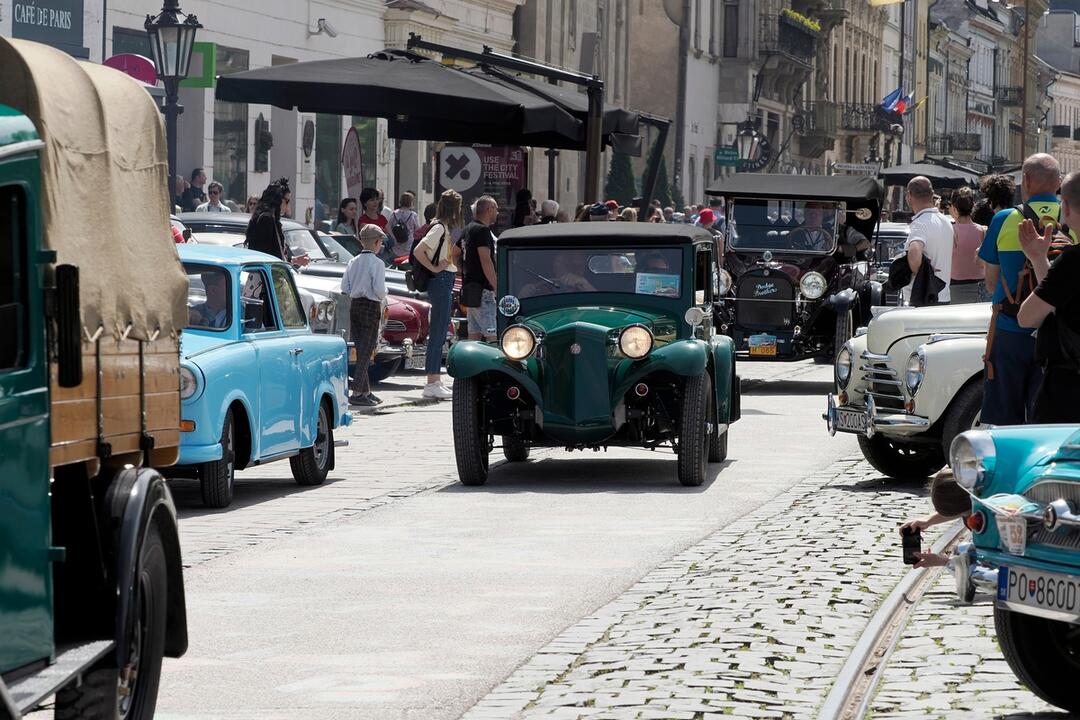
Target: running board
point(71, 661)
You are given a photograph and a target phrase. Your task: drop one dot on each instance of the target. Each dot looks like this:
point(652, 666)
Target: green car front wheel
point(471, 444)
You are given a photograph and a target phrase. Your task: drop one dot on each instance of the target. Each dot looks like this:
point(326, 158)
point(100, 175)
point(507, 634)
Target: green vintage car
point(606, 339)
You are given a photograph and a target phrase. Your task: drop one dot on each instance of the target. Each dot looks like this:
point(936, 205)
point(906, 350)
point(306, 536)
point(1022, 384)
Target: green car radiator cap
point(15, 127)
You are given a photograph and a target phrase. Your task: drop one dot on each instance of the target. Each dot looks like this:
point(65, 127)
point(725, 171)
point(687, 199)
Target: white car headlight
point(843, 366)
point(189, 383)
point(972, 458)
point(518, 342)
point(635, 342)
point(813, 285)
point(724, 282)
point(916, 371)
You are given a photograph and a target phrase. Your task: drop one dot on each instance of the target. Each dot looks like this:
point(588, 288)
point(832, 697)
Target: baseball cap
point(611, 205)
point(706, 217)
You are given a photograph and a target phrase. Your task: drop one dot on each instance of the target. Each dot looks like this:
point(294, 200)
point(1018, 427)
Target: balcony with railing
point(954, 144)
point(817, 123)
point(1009, 95)
point(966, 142)
point(866, 117)
point(783, 35)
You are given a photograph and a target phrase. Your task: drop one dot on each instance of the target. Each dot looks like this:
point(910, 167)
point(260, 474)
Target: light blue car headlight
point(972, 457)
point(191, 382)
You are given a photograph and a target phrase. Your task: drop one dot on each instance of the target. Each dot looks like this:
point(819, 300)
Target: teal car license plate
point(1034, 592)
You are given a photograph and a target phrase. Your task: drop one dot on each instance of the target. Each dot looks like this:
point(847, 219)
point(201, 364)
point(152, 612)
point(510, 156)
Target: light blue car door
point(291, 312)
point(278, 394)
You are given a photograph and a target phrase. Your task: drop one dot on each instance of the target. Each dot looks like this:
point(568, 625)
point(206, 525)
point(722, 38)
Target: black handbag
point(472, 294)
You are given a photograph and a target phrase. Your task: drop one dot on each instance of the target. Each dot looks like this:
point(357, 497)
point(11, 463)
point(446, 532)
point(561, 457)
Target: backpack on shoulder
point(400, 231)
point(1026, 281)
point(419, 276)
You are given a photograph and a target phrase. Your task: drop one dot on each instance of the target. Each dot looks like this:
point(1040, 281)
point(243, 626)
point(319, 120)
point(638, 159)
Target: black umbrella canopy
point(941, 177)
point(421, 98)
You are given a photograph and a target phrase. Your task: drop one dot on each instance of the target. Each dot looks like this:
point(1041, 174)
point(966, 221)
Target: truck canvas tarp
point(104, 187)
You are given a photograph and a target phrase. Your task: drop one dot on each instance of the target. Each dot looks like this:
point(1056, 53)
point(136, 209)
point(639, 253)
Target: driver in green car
point(568, 275)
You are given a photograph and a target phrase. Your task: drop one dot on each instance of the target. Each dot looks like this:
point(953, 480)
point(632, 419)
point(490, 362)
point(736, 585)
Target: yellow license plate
point(352, 354)
point(763, 350)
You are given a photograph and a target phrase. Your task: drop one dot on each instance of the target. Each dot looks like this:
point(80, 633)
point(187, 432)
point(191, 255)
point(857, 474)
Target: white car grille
point(881, 381)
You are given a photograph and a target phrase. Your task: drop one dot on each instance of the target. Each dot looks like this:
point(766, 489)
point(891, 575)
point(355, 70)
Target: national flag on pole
point(890, 99)
point(902, 105)
point(916, 106)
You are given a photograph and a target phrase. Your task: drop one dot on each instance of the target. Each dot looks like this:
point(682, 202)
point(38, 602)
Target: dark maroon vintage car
point(797, 276)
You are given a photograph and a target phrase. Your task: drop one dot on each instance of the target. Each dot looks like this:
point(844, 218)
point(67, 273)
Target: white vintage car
point(909, 383)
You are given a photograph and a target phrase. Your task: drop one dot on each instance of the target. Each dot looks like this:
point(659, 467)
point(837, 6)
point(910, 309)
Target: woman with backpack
point(404, 222)
point(434, 254)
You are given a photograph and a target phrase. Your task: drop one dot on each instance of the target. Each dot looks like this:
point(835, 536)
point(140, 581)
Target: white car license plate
point(1052, 595)
point(853, 421)
point(416, 362)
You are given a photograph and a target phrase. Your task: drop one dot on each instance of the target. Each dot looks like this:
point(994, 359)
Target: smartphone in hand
point(911, 539)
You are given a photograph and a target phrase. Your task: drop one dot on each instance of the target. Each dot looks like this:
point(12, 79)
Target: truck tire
point(312, 465)
point(717, 440)
point(471, 448)
point(515, 449)
point(98, 695)
point(963, 414)
point(1042, 654)
point(902, 461)
point(217, 477)
point(694, 435)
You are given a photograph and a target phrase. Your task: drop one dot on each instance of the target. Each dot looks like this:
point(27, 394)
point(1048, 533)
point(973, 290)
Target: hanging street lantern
point(172, 36)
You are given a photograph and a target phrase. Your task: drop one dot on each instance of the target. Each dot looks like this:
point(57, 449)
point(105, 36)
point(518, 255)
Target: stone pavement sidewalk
point(755, 621)
point(948, 665)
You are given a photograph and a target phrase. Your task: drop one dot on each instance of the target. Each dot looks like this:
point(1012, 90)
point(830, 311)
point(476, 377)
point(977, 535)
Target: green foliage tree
point(663, 184)
point(620, 185)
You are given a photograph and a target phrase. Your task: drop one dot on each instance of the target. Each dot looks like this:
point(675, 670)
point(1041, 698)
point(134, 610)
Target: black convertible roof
point(607, 233)
point(821, 187)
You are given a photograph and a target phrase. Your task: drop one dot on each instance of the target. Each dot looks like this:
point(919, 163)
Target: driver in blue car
point(214, 312)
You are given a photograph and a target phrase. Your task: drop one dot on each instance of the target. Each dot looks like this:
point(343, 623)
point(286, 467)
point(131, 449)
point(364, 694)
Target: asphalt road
point(418, 606)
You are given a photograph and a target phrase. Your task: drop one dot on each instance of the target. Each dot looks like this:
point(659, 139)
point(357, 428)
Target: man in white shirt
point(930, 238)
point(214, 204)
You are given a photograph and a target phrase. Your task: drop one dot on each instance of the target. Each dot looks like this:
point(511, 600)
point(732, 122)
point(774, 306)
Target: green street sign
point(726, 156)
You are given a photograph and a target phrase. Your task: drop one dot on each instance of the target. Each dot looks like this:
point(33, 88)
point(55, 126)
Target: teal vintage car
point(606, 338)
point(1025, 549)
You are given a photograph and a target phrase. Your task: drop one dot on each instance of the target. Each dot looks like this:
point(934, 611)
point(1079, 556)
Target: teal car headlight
point(844, 363)
point(190, 382)
point(972, 459)
point(916, 371)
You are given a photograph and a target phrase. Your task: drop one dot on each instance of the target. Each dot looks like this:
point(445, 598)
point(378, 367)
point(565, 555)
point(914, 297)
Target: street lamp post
point(172, 35)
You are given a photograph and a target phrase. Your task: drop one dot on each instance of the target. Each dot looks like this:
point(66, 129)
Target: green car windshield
point(784, 225)
point(555, 271)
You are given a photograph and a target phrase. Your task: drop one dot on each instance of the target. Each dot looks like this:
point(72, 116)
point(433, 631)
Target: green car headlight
point(518, 342)
point(636, 342)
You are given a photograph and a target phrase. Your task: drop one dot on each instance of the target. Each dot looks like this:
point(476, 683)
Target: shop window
point(13, 310)
point(231, 132)
point(328, 141)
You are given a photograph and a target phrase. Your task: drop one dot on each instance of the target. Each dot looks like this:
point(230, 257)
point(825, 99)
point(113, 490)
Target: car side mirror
point(68, 327)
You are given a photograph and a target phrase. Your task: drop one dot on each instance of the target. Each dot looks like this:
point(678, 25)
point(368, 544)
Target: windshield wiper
point(538, 276)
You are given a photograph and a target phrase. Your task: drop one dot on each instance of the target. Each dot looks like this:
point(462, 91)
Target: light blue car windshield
point(208, 298)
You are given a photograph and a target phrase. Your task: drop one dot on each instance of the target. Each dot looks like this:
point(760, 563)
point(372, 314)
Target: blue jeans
point(1008, 398)
point(439, 291)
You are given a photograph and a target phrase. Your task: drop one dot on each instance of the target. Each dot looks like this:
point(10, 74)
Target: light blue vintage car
point(256, 384)
point(1025, 549)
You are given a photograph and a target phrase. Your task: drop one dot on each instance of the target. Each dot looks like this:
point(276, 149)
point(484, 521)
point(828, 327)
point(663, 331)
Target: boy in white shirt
point(365, 282)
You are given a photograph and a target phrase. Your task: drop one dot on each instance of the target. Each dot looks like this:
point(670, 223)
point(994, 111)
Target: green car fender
point(470, 358)
point(725, 382)
point(686, 358)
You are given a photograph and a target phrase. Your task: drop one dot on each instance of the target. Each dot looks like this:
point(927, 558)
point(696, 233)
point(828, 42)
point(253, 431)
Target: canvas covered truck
point(92, 301)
